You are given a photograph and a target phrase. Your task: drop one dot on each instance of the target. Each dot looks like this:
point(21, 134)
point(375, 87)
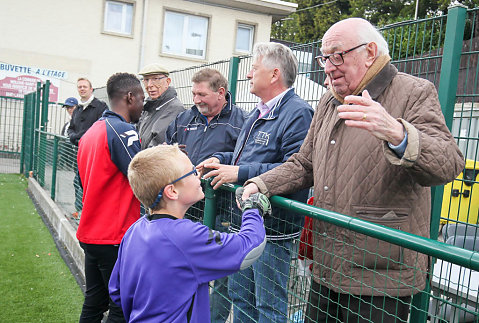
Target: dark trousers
point(325, 305)
point(99, 263)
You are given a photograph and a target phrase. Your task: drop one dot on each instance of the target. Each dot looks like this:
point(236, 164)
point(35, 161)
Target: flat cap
point(154, 68)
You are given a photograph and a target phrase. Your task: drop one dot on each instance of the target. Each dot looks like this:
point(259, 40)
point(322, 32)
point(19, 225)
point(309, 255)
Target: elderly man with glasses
point(377, 142)
point(161, 107)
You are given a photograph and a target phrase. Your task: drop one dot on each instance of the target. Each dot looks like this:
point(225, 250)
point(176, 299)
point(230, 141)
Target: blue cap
point(70, 102)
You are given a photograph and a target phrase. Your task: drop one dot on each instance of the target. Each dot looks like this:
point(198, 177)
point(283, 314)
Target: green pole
point(233, 77)
point(43, 113)
point(24, 131)
point(209, 217)
point(456, 20)
point(45, 97)
point(451, 57)
point(36, 124)
point(54, 167)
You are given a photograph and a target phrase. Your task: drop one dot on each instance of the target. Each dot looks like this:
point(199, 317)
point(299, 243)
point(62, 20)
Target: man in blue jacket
point(273, 132)
point(211, 125)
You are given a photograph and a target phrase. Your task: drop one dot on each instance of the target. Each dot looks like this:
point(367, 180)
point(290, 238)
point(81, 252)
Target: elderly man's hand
point(247, 191)
point(222, 174)
point(201, 166)
point(365, 113)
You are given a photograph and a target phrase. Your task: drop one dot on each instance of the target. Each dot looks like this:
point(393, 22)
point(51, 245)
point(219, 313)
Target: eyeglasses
point(155, 80)
point(336, 58)
point(160, 195)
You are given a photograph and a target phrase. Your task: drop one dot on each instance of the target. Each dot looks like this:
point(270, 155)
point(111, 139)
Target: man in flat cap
point(161, 107)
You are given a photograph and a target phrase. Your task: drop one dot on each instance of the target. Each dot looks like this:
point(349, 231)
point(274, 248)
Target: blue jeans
point(220, 303)
point(260, 292)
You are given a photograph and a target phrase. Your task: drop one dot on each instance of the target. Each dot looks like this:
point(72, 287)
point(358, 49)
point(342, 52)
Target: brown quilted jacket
point(356, 174)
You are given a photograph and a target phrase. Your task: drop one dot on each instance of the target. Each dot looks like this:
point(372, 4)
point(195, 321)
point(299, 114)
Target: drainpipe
point(142, 35)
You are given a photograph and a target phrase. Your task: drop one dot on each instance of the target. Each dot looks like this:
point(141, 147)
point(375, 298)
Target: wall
point(67, 35)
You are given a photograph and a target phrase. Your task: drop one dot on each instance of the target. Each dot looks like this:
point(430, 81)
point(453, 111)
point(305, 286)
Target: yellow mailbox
point(462, 195)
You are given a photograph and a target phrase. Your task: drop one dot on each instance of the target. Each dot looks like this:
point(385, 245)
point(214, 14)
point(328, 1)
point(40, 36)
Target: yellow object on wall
point(461, 197)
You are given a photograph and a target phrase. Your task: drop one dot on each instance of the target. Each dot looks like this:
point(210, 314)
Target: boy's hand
point(255, 201)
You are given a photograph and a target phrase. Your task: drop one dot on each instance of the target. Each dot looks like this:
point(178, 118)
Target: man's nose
point(249, 76)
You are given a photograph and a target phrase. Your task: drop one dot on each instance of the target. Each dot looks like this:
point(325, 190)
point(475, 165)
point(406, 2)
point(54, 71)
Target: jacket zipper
point(244, 144)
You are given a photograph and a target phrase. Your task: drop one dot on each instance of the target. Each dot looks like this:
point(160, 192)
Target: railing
point(427, 48)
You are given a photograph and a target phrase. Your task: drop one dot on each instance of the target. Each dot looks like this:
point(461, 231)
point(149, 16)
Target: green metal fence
point(429, 48)
point(18, 118)
point(11, 115)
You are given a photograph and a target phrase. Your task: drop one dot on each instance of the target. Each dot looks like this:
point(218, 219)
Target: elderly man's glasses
point(336, 58)
point(154, 79)
point(160, 195)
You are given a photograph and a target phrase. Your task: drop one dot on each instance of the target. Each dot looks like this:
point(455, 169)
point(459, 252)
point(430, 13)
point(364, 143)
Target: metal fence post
point(26, 102)
point(233, 77)
point(209, 216)
point(45, 98)
point(54, 167)
point(36, 124)
point(43, 115)
point(456, 20)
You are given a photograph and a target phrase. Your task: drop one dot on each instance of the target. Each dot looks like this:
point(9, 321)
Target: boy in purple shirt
point(165, 262)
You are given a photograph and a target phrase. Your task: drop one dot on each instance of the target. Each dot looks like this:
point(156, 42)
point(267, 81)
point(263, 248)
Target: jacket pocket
point(374, 253)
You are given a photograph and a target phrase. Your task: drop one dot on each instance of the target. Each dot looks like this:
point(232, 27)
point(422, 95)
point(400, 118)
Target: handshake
point(255, 201)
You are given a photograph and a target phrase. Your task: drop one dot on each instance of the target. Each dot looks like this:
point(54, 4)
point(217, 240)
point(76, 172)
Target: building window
point(118, 17)
point(244, 38)
point(185, 35)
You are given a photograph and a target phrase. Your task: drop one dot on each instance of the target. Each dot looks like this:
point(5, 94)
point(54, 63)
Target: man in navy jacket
point(273, 132)
point(213, 123)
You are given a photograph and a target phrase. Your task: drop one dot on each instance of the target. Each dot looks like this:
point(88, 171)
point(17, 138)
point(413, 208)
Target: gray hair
point(368, 33)
point(276, 55)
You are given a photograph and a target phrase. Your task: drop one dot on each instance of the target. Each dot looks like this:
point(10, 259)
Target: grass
point(35, 283)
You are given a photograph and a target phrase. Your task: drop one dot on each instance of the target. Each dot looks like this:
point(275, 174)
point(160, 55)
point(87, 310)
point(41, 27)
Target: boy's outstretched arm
point(214, 254)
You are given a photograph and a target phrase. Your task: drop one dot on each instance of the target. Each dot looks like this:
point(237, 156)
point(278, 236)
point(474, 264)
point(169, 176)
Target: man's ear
point(168, 80)
point(276, 75)
point(221, 91)
point(372, 53)
point(129, 98)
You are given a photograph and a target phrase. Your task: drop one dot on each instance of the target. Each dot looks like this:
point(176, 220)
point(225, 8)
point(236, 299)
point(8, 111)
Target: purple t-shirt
point(163, 263)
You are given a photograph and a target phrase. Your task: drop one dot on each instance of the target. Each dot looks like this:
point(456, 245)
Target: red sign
point(18, 86)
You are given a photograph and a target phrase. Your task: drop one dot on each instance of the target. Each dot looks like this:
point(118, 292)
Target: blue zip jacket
point(268, 142)
point(203, 138)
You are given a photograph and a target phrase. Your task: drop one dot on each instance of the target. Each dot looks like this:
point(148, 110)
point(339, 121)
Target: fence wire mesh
point(11, 116)
point(349, 266)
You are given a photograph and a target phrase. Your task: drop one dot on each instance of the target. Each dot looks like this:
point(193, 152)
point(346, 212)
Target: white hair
point(276, 55)
point(367, 33)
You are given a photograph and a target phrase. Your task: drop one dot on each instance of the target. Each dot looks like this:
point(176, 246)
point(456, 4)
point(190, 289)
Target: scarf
point(377, 66)
point(87, 103)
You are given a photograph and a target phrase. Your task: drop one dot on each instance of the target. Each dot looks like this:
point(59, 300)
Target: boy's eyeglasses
point(155, 80)
point(335, 58)
point(160, 195)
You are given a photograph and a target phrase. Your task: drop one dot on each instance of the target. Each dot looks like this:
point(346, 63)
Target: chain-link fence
point(445, 292)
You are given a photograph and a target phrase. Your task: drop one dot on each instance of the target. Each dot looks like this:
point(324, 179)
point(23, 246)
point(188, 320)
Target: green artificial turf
point(35, 283)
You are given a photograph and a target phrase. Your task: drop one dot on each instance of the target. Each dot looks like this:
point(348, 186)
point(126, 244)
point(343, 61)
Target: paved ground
point(9, 166)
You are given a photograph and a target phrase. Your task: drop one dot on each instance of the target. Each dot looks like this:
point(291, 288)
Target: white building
point(63, 40)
